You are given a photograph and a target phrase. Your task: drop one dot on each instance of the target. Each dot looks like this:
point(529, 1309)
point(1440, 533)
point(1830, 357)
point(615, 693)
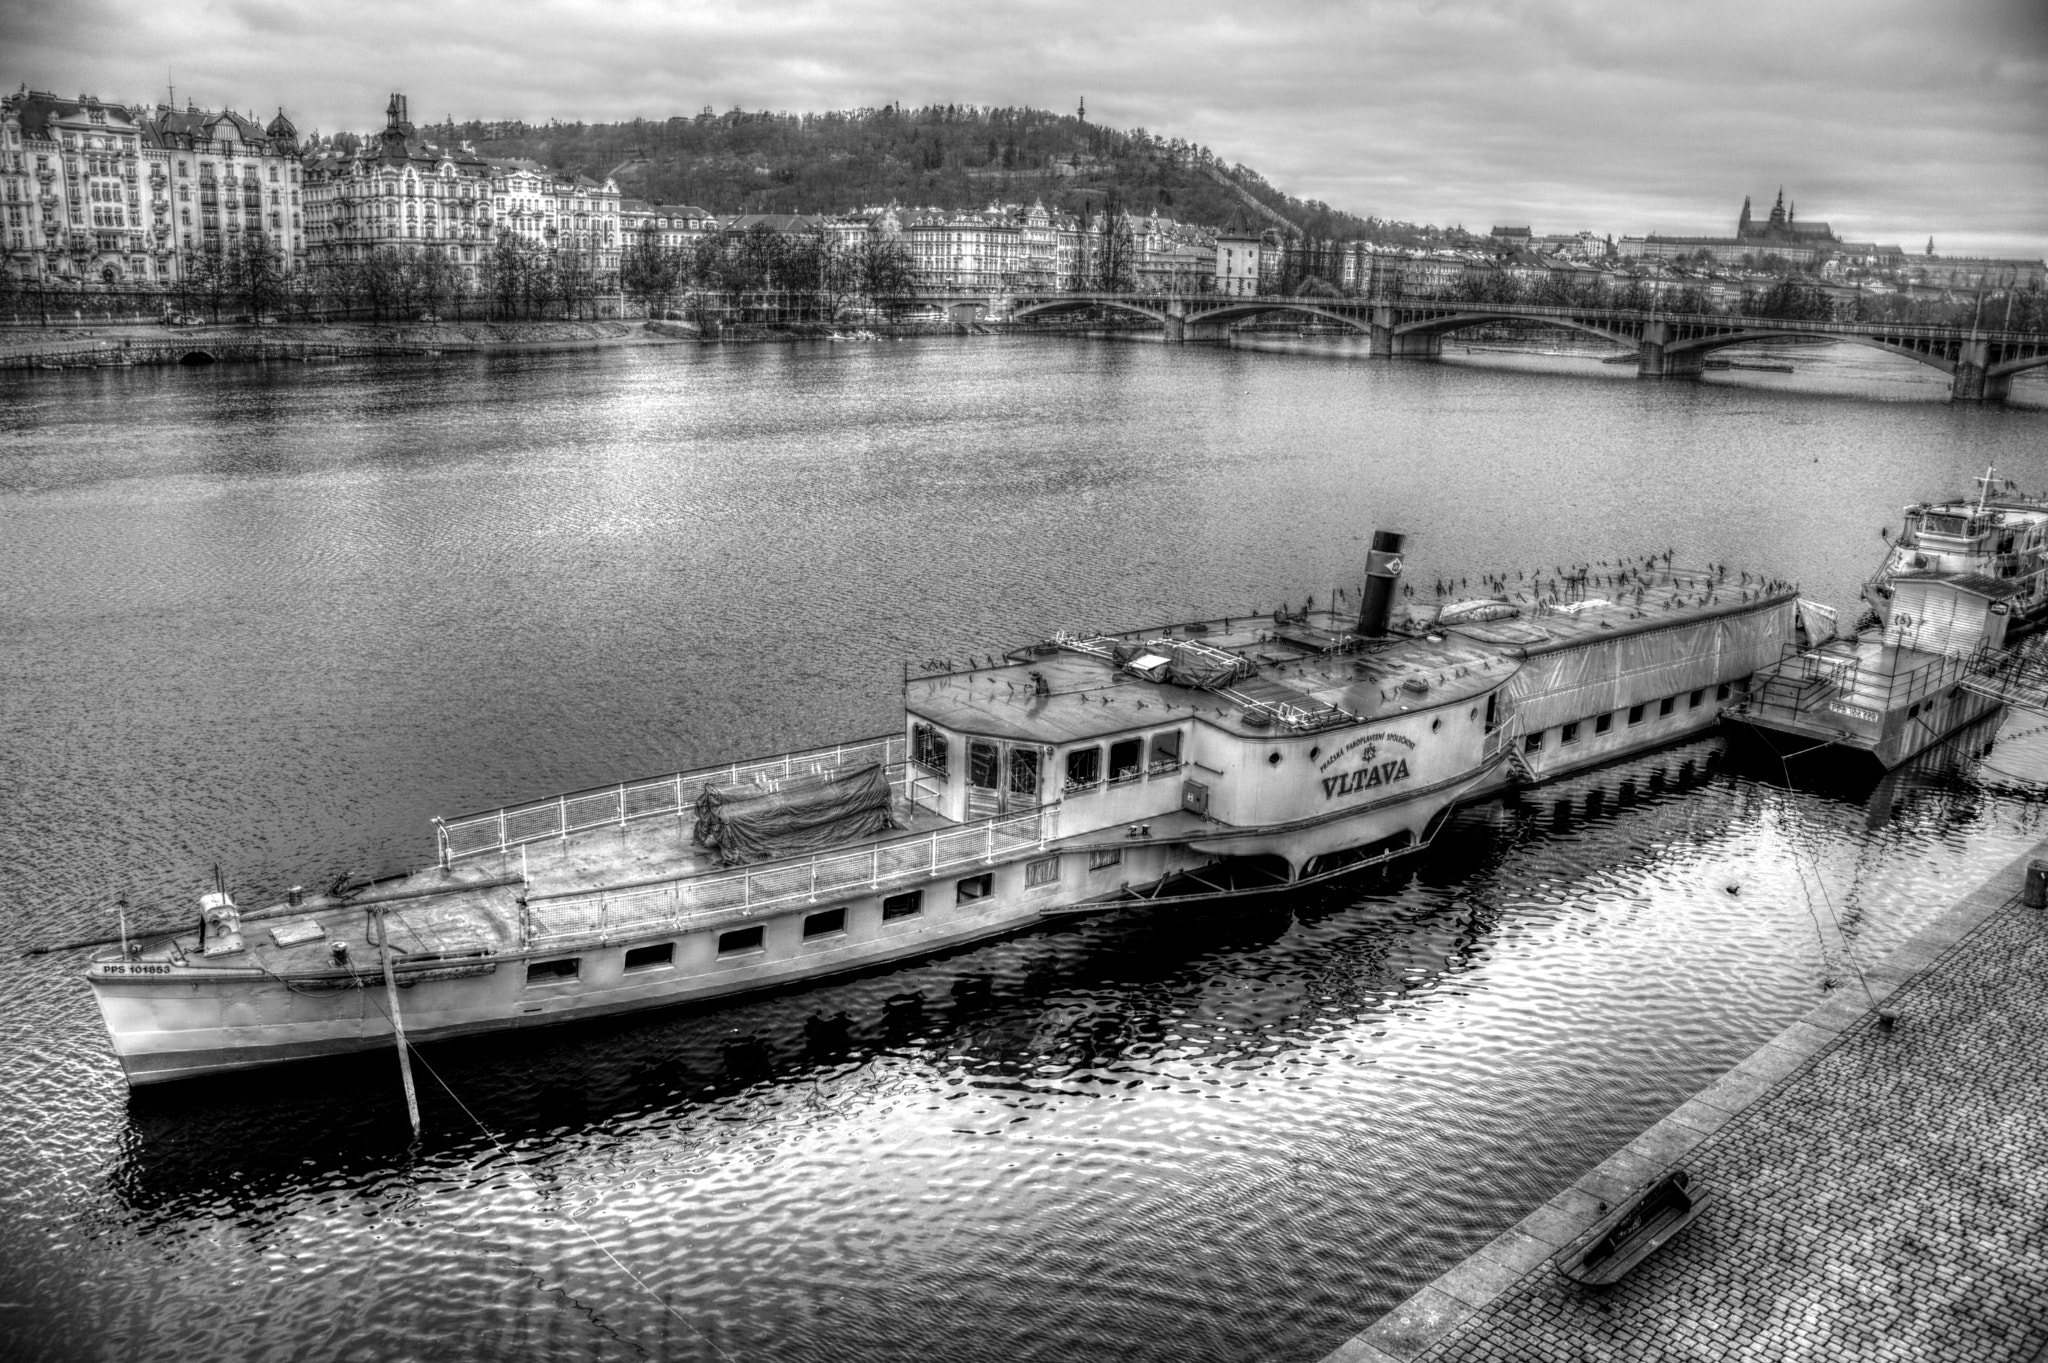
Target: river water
point(276, 617)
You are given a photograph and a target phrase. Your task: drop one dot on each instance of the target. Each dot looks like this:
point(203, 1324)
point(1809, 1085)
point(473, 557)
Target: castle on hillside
point(1781, 235)
point(1782, 228)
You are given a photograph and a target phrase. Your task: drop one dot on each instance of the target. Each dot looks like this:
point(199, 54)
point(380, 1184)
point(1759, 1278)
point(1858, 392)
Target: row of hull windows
point(825, 922)
point(1570, 733)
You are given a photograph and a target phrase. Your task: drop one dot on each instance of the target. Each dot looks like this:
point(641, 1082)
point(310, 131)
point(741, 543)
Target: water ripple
point(276, 617)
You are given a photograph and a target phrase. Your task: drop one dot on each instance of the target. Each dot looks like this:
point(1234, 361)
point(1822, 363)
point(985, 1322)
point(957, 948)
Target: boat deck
point(473, 905)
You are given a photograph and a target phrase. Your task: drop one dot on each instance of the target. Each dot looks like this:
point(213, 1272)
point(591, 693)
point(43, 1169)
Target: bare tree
point(1115, 255)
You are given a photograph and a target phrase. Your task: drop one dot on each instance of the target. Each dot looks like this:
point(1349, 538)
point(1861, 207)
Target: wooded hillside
point(951, 156)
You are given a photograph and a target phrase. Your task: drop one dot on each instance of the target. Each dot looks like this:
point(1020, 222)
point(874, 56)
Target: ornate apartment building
point(399, 191)
point(102, 193)
point(216, 179)
point(996, 248)
point(669, 227)
point(560, 215)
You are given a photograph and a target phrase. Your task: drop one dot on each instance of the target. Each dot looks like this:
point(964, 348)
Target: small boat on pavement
point(1633, 1231)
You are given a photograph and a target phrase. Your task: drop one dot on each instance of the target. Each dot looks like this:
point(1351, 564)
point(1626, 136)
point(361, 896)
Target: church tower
point(1742, 223)
point(1778, 211)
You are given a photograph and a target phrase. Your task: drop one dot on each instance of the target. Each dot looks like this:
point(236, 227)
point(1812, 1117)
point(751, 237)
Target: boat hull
point(1891, 745)
point(169, 1022)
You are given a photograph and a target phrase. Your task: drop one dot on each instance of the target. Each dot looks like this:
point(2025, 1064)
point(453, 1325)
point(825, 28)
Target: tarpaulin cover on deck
point(753, 823)
point(1628, 669)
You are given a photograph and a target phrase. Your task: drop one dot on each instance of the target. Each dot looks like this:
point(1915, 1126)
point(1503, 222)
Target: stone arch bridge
point(1980, 364)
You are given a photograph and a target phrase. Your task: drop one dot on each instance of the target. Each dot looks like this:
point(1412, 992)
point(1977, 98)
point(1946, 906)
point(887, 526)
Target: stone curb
point(1416, 1325)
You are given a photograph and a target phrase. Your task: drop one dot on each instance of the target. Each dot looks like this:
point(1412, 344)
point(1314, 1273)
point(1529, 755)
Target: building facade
point(105, 194)
point(667, 227)
point(1239, 251)
point(71, 182)
point(219, 180)
point(575, 218)
point(979, 252)
point(398, 191)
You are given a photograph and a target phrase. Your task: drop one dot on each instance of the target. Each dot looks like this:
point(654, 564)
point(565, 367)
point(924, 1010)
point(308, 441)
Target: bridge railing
point(1200, 302)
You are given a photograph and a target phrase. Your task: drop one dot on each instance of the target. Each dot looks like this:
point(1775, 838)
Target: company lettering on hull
point(1365, 778)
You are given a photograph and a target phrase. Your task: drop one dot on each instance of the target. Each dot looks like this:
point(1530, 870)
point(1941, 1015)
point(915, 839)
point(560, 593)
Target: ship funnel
point(1382, 578)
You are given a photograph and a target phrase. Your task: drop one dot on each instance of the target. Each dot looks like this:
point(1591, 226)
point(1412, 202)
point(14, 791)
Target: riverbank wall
point(1875, 1175)
point(148, 343)
point(122, 344)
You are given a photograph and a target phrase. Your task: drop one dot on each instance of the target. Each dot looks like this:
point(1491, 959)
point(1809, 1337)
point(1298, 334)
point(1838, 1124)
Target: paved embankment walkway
point(1875, 1194)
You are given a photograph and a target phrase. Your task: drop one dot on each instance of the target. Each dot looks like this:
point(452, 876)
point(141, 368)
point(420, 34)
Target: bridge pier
point(1176, 329)
point(1971, 382)
point(1654, 359)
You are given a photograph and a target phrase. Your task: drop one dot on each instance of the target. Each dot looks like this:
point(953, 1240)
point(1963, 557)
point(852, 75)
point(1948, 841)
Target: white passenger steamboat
point(1198, 761)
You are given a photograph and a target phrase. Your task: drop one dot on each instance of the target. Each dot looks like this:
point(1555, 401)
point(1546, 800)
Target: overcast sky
point(1894, 120)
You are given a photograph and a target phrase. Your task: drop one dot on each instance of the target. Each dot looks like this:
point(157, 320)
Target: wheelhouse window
point(1024, 771)
point(1166, 752)
point(984, 762)
point(1126, 758)
point(1084, 768)
point(928, 748)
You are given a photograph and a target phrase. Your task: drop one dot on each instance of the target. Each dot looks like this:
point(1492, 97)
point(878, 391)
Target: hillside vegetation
point(950, 156)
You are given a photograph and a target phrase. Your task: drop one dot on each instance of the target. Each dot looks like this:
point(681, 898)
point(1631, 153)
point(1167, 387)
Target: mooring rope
point(566, 1214)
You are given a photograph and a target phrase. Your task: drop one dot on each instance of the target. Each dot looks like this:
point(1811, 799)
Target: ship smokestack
point(1382, 577)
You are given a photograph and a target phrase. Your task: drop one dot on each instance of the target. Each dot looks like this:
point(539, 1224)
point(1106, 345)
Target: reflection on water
point(278, 617)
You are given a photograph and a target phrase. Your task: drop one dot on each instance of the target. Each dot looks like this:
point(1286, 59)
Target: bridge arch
point(196, 357)
point(1052, 305)
point(2008, 368)
point(1231, 312)
point(1701, 345)
point(1443, 326)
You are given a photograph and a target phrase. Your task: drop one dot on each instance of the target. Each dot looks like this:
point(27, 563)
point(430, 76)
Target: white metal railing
point(1507, 736)
point(697, 901)
point(1310, 714)
point(499, 830)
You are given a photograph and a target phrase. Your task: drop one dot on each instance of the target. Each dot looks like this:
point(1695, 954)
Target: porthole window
point(1273, 759)
point(740, 939)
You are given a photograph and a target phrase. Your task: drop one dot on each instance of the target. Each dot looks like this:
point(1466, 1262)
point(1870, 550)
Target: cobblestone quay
point(1876, 1194)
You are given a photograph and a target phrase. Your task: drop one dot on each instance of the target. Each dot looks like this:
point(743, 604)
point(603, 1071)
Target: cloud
point(1893, 119)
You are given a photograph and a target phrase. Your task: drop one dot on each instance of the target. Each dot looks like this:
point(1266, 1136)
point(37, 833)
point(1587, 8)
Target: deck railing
point(500, 830)
point(1813, 679)
point(597, 916)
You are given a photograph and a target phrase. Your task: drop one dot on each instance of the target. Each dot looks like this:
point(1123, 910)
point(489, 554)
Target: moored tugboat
point(1202, 761)
point(2001, 534)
